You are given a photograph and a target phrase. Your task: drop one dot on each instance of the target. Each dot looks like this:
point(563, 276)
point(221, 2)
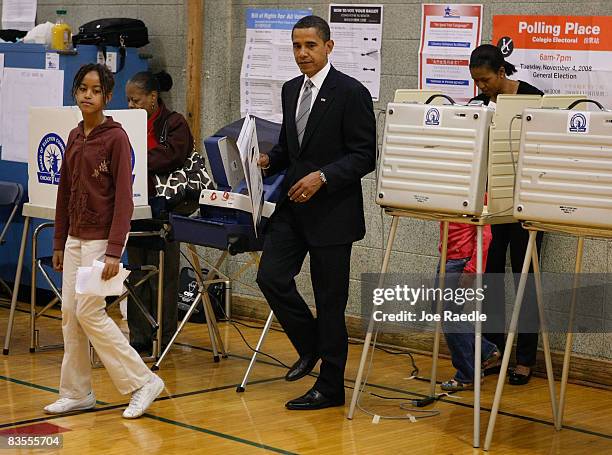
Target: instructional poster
point(357, 34)
point(267, 61)
point(23, 88)
point(559, 54)
point(449, 34)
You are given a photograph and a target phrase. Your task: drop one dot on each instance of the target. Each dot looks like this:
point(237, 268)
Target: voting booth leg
point(262, 337)
point(160, 306)
point(155, 367)
point(211, 320)
point(544, 331)
point(510, 340)
point(34, 332)
point(202, 293)
point(570, 336)
point(441, 284)
point(24, 241)
point(368, 337)
point(477, 339)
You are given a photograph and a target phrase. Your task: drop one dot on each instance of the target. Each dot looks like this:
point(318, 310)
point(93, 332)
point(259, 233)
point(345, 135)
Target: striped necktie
point(301, 119)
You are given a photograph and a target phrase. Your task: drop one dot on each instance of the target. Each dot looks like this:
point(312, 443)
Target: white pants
point(84, 319)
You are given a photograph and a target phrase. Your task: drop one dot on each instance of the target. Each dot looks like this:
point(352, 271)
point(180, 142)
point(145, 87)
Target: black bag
point(182, 187)
point(118, 32)
point(188, 291)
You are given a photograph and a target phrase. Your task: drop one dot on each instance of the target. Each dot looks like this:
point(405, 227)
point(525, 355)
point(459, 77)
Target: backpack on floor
point(188, 291)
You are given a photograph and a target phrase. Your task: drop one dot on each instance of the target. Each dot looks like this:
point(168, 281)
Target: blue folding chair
point(11, 194)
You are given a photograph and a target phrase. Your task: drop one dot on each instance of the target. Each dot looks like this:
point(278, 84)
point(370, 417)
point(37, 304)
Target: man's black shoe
point(301, 368)
point(313, 399)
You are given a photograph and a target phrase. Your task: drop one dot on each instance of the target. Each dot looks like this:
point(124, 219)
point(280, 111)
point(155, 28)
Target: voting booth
point(434, 158)
point(433, 166)
point(20, 57)
point(437, 163)
point(231, 219)
point(563, 184)
point(565, 168)
point(49, 130)
point(504, 139)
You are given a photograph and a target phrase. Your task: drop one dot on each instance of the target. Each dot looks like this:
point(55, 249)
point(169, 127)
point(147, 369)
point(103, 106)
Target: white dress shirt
point(317, 81)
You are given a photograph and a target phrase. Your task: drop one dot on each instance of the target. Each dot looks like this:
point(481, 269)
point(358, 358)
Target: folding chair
point(10, 197)
point(44, 265)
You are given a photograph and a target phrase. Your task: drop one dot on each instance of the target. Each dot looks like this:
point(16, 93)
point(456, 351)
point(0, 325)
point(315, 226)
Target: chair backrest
point(10, 193)
point(10, 196)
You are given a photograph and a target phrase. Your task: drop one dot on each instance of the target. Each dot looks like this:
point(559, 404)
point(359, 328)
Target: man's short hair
point(317, 23)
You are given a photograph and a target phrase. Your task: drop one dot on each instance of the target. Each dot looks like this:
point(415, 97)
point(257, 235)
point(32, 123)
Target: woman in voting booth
point(490, 72)
point(169, 142)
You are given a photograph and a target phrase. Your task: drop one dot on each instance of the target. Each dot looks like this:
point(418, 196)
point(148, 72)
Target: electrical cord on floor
point(414, 373)
point(420, 413)
point(235, 323)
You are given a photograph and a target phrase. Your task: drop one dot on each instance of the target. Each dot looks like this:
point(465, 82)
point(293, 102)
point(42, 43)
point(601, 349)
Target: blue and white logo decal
point(133, 162)
point(50, 156)
point(432, 117)
point(578, 123)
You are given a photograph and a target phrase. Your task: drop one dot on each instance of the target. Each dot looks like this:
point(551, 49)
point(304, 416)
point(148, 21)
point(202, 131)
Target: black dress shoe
point(301, 368)
point(515, 378)
point(311, 400)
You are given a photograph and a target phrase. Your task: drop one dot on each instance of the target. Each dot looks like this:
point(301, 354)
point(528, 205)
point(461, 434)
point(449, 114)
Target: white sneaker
point(64, 405)
point(143, 397)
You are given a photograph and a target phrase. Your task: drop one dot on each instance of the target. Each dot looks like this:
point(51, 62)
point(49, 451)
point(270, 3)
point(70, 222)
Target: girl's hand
point(111, 268)
point(58, 260)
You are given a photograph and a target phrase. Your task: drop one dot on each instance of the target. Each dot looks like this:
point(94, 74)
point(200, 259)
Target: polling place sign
point(559, 54)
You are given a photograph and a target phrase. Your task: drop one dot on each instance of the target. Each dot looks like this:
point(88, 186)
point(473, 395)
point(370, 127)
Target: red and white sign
point(449, 34)
point(559, 54)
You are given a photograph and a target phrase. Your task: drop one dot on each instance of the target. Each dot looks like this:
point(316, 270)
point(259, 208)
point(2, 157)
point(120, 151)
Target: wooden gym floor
point(201, 412)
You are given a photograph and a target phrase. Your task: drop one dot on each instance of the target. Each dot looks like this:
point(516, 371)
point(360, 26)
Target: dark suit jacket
point(340, 140)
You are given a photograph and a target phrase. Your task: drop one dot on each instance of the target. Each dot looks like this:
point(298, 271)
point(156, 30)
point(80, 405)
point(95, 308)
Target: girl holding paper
point(93, 212)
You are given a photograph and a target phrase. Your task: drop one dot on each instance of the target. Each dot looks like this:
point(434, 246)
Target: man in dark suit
point(327, 144)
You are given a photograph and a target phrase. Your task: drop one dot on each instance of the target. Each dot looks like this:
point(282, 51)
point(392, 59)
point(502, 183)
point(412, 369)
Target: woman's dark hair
point(107, 80)
point(317, 23)
point(152, 82)
point(491, 57)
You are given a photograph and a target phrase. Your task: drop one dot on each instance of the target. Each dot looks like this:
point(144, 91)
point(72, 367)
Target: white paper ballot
point(89, 281)
point(18, 14)
point(248, 146)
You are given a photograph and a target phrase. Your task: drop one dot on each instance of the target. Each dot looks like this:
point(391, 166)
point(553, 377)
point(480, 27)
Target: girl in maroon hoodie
point(92, 220)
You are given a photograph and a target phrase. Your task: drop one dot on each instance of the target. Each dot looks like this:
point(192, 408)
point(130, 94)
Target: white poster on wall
point(48, 136)
point(267, 61)
point(18, 14)
point(357, 34)
point(21, 89)
point(449, 34)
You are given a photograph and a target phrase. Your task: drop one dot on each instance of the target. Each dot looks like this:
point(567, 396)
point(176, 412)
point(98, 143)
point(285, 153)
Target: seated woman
point(169, 142)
